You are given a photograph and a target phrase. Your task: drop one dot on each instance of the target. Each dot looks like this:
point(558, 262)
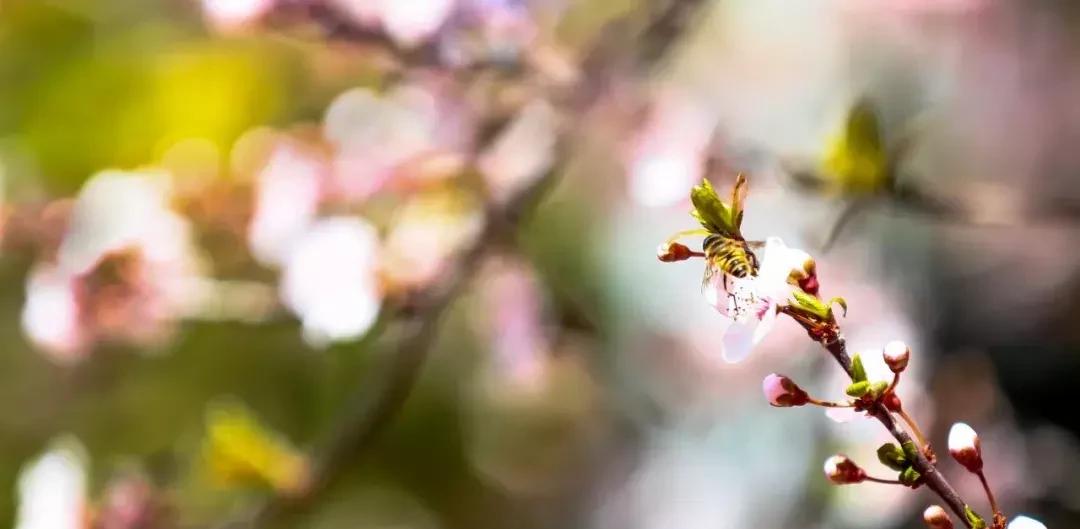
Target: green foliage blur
point(90, 85)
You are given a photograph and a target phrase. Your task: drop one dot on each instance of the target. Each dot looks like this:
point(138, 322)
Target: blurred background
point(391, 263)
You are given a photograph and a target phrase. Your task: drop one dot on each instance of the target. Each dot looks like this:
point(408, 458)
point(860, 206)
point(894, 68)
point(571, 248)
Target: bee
point(727, 254)
point(859, 167)
point(733, 257)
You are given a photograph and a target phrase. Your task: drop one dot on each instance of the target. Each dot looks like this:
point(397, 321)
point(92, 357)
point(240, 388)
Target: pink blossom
point(782, 392)
point(126, 270)
point(413, 134)
point(522, 153)
point(287, 194)
point(229, 15)
point(129, 502)
point(750, 303)
point(409, 23)
point(330, 280)
point(514, 307)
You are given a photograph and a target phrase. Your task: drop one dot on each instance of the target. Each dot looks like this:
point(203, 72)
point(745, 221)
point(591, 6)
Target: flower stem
point(830, 404)
point(895, 382)
point(883, 481)
point(999, 518)
point(914, 427)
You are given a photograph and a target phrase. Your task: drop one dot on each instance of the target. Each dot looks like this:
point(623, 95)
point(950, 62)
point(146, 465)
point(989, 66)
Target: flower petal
point(768, 320)
point(739, 341)
point(841, 415)
point(778, 264)
point(1023, 522)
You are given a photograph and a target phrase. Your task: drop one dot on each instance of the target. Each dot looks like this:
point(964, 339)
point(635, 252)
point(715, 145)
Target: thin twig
point(830, 404)
point(883, 481)
point(999, 518)
point(930, 475)
point(371, 409)
point(915, 430)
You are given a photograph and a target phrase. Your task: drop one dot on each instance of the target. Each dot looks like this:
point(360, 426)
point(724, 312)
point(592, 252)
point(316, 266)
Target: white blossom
point(330, 280)
point(52, 489)
point(750, 303)
point(1023, 522)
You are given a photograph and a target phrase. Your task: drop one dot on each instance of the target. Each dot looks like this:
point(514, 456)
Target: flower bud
point(782, 392)
point(670, 252)
point(803, 271)
point(964, 447)
point(1023, 522)
point(843, 471)
point(896, 355)
point(936, 518)
point(810, 285)
point(892, 402)
point(801, 263)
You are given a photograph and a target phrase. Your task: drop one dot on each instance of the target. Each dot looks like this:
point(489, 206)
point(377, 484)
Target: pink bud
point(936, 518)
point(672, 251)
point(964, 447)
point(896, 355)
point(782, 392)
point(843, 471)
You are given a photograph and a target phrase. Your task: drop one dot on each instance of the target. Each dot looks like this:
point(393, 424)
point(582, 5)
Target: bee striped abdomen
point(730, 256)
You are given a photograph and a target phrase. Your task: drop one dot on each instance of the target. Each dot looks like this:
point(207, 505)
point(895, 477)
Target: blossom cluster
point(750, 292)
point(330, 223)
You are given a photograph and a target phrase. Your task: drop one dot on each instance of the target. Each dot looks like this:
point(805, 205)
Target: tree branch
point(932, 478)
point(372, 408)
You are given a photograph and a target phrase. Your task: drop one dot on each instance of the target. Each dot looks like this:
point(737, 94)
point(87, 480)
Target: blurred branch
point(374, 406)
point(338, 25)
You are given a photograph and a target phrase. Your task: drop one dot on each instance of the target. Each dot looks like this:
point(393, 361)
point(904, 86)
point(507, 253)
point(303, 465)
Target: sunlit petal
point(50, 316)
point(52, 490)
point(286, 199)
point(739, 341)
point(522, 153)
point(329, 280)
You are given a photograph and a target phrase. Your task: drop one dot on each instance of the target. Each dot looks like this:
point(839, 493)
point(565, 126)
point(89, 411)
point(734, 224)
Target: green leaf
point(877, 389)
point(738, 196)
point(811, 305)
point(910, 450)
point(858, 372)
point(974, 520)
point(858, 389)
point(892, 456)
point(711, 212)
point(839, 301)
point(909, 476)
